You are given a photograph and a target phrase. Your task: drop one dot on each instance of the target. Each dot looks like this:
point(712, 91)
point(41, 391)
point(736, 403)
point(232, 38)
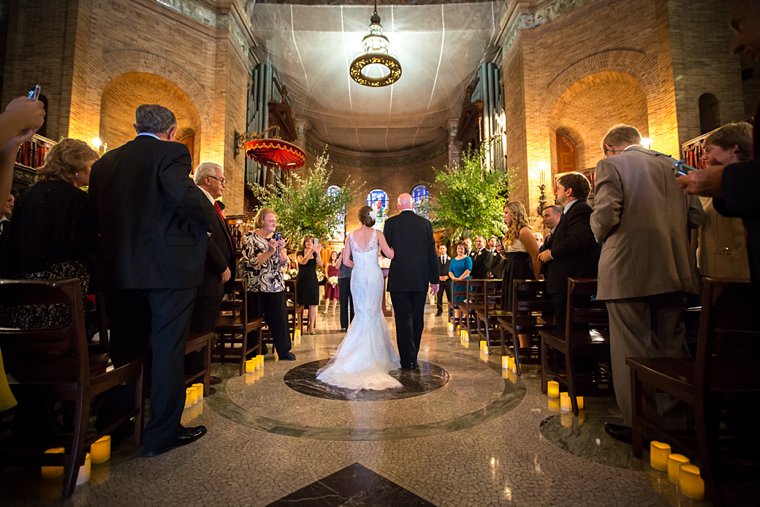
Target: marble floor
point(460, 432)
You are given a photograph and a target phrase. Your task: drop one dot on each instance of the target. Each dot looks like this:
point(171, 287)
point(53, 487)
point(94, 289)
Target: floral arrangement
point(333, 280)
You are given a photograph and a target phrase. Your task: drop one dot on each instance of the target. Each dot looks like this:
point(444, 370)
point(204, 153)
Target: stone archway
point(124, 93)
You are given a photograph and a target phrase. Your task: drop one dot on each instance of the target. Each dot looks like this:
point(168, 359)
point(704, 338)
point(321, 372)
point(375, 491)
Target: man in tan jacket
point(642, 219)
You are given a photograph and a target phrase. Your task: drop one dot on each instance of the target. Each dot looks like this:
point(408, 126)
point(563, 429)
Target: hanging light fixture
point(375, 67)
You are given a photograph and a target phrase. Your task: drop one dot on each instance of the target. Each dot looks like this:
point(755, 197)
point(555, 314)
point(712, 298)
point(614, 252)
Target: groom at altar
point(414, 267)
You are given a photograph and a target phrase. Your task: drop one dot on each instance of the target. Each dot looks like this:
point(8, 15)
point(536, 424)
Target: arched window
point(377, 199)
point(709, 113)
point(421, 197)
point(339, 232)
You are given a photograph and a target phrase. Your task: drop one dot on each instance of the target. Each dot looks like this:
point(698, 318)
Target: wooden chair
point(200, 343)
point(233, 327)
point(54, 364)
point(292, 307)
point(486, 304)
point(722, 378)
point(586, 333)
point(531, 312)
point(459, 291)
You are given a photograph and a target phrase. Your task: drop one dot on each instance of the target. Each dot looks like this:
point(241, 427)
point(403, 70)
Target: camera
point(681, 168)
point(277, 236)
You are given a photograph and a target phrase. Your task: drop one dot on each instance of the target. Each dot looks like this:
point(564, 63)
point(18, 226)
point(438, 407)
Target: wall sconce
point(99, 146)
point(543, 167)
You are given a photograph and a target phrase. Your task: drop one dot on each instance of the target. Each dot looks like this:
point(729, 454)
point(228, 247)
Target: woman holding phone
point(307, 286)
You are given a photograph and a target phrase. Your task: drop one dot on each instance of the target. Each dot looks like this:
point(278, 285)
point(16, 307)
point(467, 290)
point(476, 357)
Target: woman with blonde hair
point(50, 235)
point(519, 250)
point(264, 254)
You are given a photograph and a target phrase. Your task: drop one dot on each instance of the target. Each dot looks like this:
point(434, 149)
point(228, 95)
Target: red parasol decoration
point(276, 152)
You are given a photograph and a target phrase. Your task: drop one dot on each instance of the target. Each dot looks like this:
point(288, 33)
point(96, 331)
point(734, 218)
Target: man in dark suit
point(551, 216)
point(481, 259)
point(573, 251)
point(443, 278)
point(152, 225)
point(220, 256)
point(414, 266)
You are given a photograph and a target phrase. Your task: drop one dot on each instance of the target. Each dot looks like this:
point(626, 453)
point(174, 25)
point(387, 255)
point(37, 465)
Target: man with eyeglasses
point(220, 256)
point(641, 217)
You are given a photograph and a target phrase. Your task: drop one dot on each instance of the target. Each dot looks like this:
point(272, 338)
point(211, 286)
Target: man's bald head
point(405, 202)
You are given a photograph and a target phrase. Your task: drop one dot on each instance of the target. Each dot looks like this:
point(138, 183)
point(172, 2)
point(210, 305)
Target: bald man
point(414, 268)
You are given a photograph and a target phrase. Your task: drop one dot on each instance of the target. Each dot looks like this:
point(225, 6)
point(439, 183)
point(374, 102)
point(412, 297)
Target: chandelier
point(375, 67)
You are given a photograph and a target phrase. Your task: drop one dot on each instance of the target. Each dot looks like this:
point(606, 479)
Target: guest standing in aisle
point(152, 225)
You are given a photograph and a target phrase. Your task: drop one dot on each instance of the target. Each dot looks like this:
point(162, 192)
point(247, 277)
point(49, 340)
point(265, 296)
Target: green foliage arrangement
point(303, 206)
point(470, 198)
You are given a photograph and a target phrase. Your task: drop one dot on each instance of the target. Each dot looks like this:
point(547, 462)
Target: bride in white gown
point(366, 354)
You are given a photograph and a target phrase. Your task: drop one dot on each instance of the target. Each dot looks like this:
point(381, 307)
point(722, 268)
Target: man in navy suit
point(414, 266)
point(573, 251)
point(152, 225)
point(443, 278)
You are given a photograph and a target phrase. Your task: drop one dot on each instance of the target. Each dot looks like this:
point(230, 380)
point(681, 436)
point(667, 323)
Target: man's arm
point(608, 200)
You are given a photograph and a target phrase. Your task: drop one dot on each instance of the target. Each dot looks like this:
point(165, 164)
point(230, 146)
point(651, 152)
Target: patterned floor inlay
point(428, 378)
point(354, 485)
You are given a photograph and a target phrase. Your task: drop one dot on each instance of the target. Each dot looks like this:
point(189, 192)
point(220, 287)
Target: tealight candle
point(552, 389)
point(84, 471)
point(674, 466)
point(190, 396)
point(101, 449)
point(50, 472)
point(690, 484)
point(658, 455)
point(250, 366)
point(564, 402)
point(505, 362)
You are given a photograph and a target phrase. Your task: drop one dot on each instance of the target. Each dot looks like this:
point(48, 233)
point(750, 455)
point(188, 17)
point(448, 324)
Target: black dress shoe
point(619, 432)
point(288, 357)
point(343, 329)
point(184, 436)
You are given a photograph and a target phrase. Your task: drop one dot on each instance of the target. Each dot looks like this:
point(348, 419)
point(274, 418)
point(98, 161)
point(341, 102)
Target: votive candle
point(250, 365)
point(505, 362)
point(101, 449)
point(564, 402)
point(198, 391)
point(50, 472)
point(690, 483)
point(674, 466)
point(84, 471)
point(552, 389)
point(658, 455)
point(579, 400)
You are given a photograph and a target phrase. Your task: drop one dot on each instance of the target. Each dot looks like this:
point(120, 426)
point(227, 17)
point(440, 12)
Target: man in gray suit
point(642, 219)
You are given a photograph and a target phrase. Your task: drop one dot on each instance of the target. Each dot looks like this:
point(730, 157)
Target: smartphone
point(277, 236)
point(315, 241)
point(681, 168)
point(34, 93)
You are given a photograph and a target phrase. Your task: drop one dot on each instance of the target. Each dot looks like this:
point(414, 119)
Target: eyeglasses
point(220, 180)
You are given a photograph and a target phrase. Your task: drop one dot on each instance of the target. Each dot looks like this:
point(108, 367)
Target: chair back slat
point(728, 337)
point(529, 302)
point(45, 354)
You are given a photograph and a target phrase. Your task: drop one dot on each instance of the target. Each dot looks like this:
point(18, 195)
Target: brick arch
point(627, 61)
point(122, 61)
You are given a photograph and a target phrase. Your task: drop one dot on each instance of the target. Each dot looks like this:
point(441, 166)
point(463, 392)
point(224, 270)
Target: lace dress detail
point(366, 354)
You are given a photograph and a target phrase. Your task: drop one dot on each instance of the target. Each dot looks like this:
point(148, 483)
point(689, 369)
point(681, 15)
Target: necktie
point(219, 209)
point(443, 259)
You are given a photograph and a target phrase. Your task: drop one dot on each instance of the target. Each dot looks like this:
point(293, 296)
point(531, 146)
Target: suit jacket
point(641, 217)
point(150, 219)
point(414, 264)
point(575, 253)
point(481, 264)
point(220, 256)
point(443, 267)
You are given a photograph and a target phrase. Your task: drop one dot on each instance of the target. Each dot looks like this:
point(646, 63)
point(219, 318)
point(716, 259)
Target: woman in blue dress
point(459, 271)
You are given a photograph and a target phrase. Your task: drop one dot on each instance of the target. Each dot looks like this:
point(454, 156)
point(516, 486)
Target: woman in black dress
point(307, 286)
